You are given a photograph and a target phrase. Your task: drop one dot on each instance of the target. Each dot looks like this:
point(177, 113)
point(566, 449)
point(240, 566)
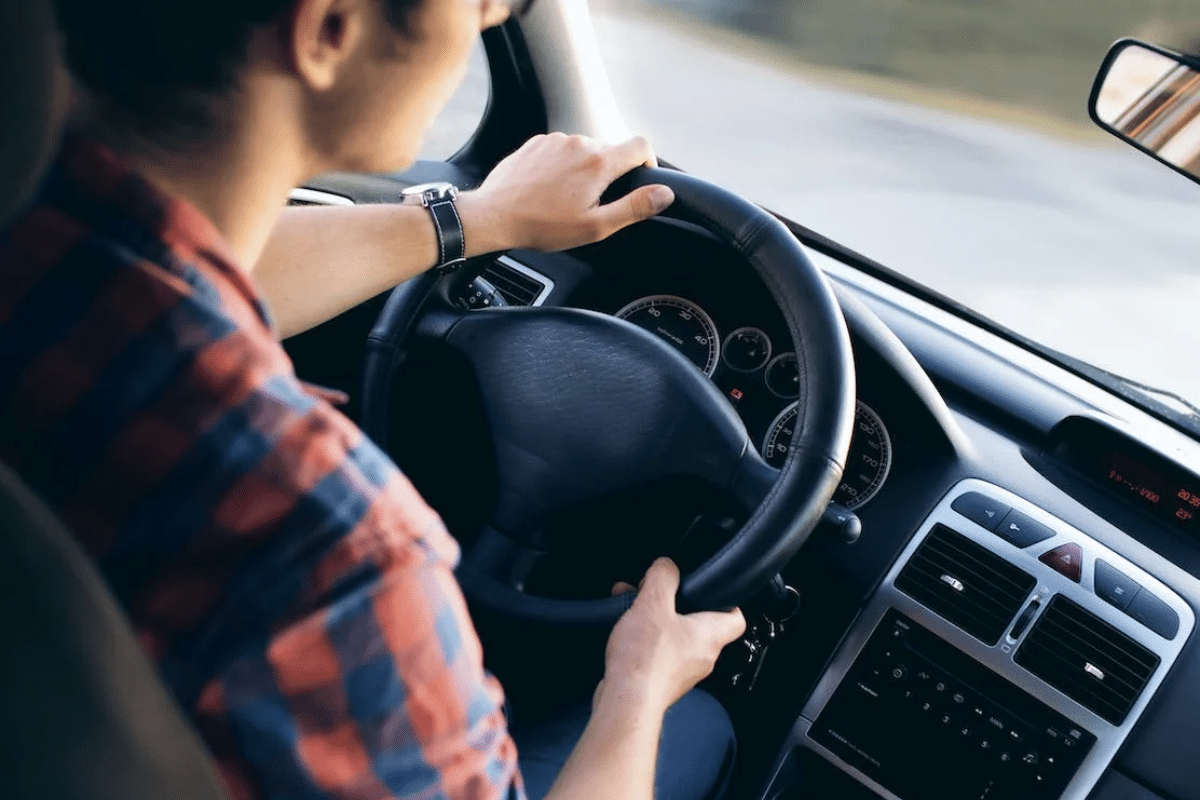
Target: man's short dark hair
point(156, 60)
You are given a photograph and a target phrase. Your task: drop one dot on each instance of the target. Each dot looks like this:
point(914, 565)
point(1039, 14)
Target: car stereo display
point(1166, 490)
point(1164, 494)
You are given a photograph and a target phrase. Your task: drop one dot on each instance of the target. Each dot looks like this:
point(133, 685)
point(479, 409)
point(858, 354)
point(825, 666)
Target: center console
point(1006, 656)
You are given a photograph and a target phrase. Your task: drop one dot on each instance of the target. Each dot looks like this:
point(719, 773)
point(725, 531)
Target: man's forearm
point(545, 196)
point(617, 754)
point(321, 261)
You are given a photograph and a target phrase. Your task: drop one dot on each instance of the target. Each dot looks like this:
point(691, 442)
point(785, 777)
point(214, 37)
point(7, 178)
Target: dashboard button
point(1154, 614)
point(1114, 586)
point(1022, 530)
point(1066, 560)
point(980, 509)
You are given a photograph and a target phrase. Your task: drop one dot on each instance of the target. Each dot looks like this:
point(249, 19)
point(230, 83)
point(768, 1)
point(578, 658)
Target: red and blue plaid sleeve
point(379, 691)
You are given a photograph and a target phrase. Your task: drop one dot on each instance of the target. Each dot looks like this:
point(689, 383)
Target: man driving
point(294, 590)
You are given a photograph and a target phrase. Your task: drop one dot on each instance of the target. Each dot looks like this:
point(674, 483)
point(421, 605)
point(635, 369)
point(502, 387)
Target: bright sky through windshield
point(1021, 212)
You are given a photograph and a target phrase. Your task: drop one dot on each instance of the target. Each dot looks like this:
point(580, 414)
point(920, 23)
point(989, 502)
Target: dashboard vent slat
point(516, 287)
point(1087, 659)
point(966, 583)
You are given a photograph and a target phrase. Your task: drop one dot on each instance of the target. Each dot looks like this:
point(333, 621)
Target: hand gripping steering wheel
point(582, 405)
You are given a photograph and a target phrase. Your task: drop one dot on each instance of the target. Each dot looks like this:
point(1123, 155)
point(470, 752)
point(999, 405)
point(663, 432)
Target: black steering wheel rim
point(792, 505)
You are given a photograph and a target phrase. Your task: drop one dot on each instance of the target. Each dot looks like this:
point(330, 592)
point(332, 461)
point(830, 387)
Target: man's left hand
point(546, 195)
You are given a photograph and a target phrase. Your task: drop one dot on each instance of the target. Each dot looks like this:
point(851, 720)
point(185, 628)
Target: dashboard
point(886, 680)
point(1003, 653)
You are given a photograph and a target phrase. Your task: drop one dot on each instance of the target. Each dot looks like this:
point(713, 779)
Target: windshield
point(947, 139)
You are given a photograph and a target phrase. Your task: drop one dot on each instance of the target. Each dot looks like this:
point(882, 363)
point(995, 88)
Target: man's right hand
point(655, 654)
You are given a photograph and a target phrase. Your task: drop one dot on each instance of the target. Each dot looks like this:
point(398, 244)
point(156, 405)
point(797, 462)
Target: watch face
point(430, 192)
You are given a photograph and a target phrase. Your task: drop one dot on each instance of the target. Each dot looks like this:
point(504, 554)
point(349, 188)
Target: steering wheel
point(583, 405)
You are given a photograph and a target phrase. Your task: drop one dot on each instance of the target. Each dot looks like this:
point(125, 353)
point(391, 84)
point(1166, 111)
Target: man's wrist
point(629, 696)
point(483, 229)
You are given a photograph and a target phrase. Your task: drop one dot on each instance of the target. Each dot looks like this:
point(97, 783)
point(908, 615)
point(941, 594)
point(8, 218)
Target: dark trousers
point(695, 752)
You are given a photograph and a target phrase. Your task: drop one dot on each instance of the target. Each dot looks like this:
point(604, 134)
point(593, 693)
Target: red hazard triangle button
point(1066, 560)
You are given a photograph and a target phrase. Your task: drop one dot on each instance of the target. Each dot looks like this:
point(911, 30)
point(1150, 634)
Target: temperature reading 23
point(867, 465)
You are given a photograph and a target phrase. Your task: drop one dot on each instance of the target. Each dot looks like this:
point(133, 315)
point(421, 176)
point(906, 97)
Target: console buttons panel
point(1023, 530)
point(1066, 560)
point(980, 509)
point(1154, 614)
point(1114, 586)
point(948, 727)
point(916, 706)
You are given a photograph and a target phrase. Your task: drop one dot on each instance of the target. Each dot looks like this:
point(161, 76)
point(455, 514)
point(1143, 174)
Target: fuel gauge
point(783, 376)
point(746, 350)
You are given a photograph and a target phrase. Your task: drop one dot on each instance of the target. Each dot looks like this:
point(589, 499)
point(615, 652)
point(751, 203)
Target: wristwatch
point(439, 199)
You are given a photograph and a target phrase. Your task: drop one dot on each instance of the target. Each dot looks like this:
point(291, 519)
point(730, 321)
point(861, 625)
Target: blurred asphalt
point(1089, 247)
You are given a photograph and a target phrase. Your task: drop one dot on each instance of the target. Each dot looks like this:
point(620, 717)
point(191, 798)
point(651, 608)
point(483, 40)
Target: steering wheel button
point(980, 509)
point(1066, 560)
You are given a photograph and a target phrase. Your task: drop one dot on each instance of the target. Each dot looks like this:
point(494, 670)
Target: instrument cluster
point(765, 386)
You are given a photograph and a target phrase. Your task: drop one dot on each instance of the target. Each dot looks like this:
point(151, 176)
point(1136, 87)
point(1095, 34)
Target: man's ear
point(495, 12)
point(322, 36)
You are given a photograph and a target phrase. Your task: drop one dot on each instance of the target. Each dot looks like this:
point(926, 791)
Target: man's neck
point(238, 177)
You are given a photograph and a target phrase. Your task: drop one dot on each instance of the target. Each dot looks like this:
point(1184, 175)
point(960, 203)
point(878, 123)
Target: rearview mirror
point(1150, 97)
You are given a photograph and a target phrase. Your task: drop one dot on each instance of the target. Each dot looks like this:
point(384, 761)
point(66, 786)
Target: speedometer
point(681, 323)
point(867, 465)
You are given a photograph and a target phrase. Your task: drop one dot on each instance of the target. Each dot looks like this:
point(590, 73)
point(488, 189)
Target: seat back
point(34, 95)
point(86, 715)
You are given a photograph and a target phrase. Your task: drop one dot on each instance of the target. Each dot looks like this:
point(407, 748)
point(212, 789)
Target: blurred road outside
point(1002, 200)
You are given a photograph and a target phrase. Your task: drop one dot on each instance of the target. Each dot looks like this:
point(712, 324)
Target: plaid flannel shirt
point(294, 590)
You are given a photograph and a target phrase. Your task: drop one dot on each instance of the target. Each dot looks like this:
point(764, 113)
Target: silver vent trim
point(999, 658)
point(516, 266)
point(302, 196)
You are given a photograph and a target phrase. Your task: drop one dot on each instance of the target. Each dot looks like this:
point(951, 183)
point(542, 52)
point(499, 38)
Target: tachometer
point(867, 465)
point(680, 322)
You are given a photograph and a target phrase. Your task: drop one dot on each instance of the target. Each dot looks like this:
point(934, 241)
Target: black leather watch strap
point(452, 246)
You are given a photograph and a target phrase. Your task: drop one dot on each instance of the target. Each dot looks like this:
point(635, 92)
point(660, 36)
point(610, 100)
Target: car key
point(755, 645)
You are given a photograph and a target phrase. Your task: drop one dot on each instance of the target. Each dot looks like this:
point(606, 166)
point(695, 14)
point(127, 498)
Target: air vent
point(315, 197)
point(517, 283)
point(966, 583)
point(1087, 659)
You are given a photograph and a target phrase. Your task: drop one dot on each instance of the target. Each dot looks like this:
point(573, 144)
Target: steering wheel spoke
point(501, 558)
point(754, 480)
point(438, 318)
